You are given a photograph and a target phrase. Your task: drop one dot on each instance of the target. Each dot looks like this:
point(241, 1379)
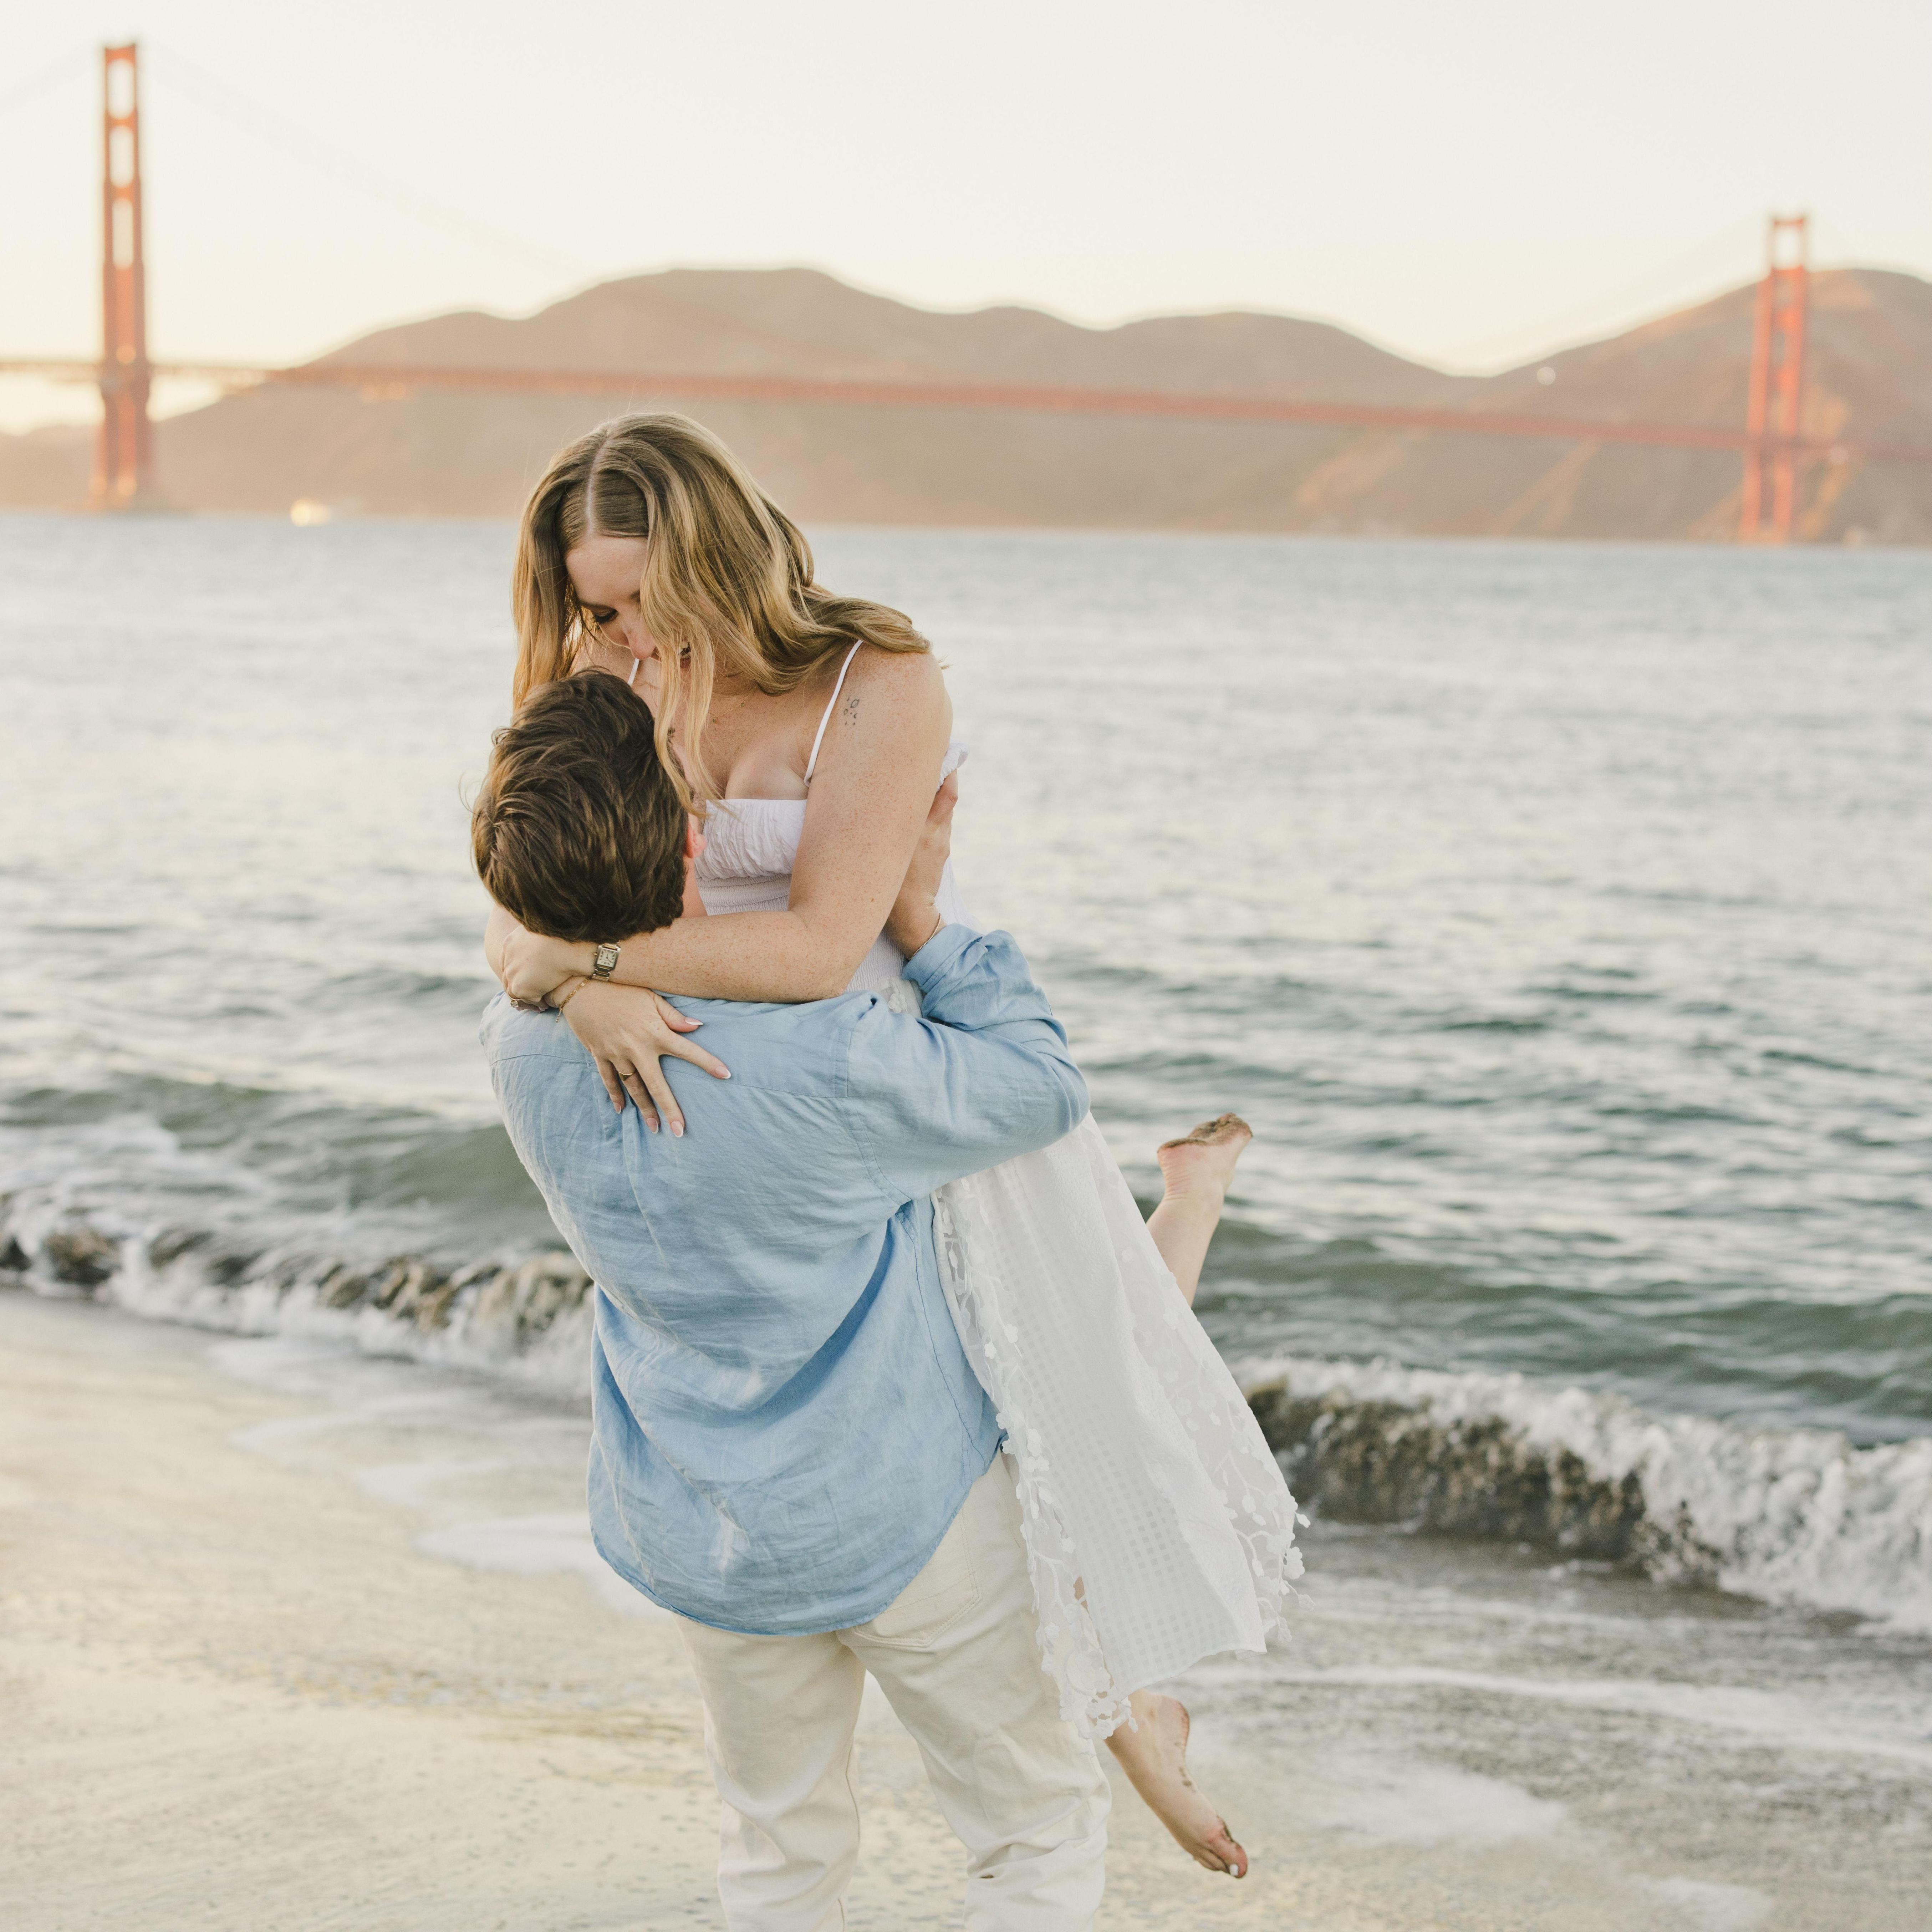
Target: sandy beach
point(300, 1640)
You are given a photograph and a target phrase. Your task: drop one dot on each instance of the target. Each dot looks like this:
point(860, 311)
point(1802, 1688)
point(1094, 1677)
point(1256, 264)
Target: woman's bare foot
point(1196, 1169)
point(1202, 1160)
point(1154, 1757)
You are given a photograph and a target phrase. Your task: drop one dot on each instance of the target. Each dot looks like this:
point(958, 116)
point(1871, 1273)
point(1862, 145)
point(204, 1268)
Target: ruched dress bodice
point(750, 846)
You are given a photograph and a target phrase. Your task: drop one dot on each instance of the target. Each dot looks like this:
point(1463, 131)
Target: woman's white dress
point(1158, 1529)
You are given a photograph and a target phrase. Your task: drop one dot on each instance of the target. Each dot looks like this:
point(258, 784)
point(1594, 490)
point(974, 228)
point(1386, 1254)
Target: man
point(789, 1449)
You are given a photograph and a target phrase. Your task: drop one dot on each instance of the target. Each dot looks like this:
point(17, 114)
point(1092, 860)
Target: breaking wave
point(1793, 1516)
point(528, 1318)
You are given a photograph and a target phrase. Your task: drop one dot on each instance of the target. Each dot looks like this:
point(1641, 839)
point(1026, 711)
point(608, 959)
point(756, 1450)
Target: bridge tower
point(1769, 500)
point(124, 455)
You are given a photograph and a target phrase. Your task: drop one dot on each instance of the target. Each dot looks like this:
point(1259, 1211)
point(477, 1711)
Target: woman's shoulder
point(908, 685)
point(893, 704)
point(871, 664)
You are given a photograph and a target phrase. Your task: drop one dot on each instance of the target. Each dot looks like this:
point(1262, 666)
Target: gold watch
point(606, 961)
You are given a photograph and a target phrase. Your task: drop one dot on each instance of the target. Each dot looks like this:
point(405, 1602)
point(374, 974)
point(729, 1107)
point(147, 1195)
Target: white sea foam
point(412, 1485)
point(1707, 1907)
point(536, 1545)
point(1408, 1802)
point(1790, 1515)
point(1771, 1718)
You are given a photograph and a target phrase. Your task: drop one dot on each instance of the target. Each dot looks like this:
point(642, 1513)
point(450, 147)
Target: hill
point(428, 453)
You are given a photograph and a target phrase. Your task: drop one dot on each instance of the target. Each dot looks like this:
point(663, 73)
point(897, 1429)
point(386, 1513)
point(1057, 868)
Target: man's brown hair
point(578, 830)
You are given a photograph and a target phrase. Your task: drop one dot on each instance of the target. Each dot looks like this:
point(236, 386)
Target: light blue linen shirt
point(784, 1424)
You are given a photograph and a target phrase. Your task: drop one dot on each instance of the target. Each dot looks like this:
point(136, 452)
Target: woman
point(811, 732)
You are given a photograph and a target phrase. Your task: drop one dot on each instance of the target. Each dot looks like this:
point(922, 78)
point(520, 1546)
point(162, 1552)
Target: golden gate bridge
point(1774, 451)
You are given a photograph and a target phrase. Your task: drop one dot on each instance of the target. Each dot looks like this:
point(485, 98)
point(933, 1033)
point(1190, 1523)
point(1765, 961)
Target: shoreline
point(253, 1673)
point(1800, 1514)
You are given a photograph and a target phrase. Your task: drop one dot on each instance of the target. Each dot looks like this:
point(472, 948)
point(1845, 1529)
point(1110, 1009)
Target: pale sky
point(1469, 184)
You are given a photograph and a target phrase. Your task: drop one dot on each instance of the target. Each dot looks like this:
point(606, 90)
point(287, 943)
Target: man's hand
point(532, 968)
point(495, 936)
point(914, 917)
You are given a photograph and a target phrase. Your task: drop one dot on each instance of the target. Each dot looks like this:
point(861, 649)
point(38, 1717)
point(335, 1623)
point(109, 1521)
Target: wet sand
point(251, 1675)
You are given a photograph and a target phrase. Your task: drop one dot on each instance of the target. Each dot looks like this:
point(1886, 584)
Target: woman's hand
point(532, 968)
point(914, 918)
point(628, 1030)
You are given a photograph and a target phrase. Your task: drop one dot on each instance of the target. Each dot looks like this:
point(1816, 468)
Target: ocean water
point(1558, 915)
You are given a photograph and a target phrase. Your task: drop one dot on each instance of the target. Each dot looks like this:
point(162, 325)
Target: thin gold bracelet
point(560, 1006)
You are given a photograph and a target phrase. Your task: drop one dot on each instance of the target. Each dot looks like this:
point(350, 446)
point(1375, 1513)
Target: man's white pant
point(957, 1655)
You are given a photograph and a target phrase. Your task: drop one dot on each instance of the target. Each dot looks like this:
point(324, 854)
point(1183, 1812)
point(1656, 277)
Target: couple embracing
point(890, 1375)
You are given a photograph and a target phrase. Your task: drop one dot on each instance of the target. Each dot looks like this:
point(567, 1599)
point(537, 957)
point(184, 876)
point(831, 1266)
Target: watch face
point(606, 959)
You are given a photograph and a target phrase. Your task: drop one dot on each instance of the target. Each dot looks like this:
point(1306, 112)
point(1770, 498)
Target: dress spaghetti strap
point(811, 764)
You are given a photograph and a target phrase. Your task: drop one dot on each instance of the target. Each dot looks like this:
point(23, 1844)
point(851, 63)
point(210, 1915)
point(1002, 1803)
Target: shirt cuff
point(937, 953)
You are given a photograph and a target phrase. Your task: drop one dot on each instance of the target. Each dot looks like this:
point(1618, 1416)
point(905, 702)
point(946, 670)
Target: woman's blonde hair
point(728, 577)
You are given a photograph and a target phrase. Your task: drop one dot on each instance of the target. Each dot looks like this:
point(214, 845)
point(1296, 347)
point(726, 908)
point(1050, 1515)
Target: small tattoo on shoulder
point(852, 709)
